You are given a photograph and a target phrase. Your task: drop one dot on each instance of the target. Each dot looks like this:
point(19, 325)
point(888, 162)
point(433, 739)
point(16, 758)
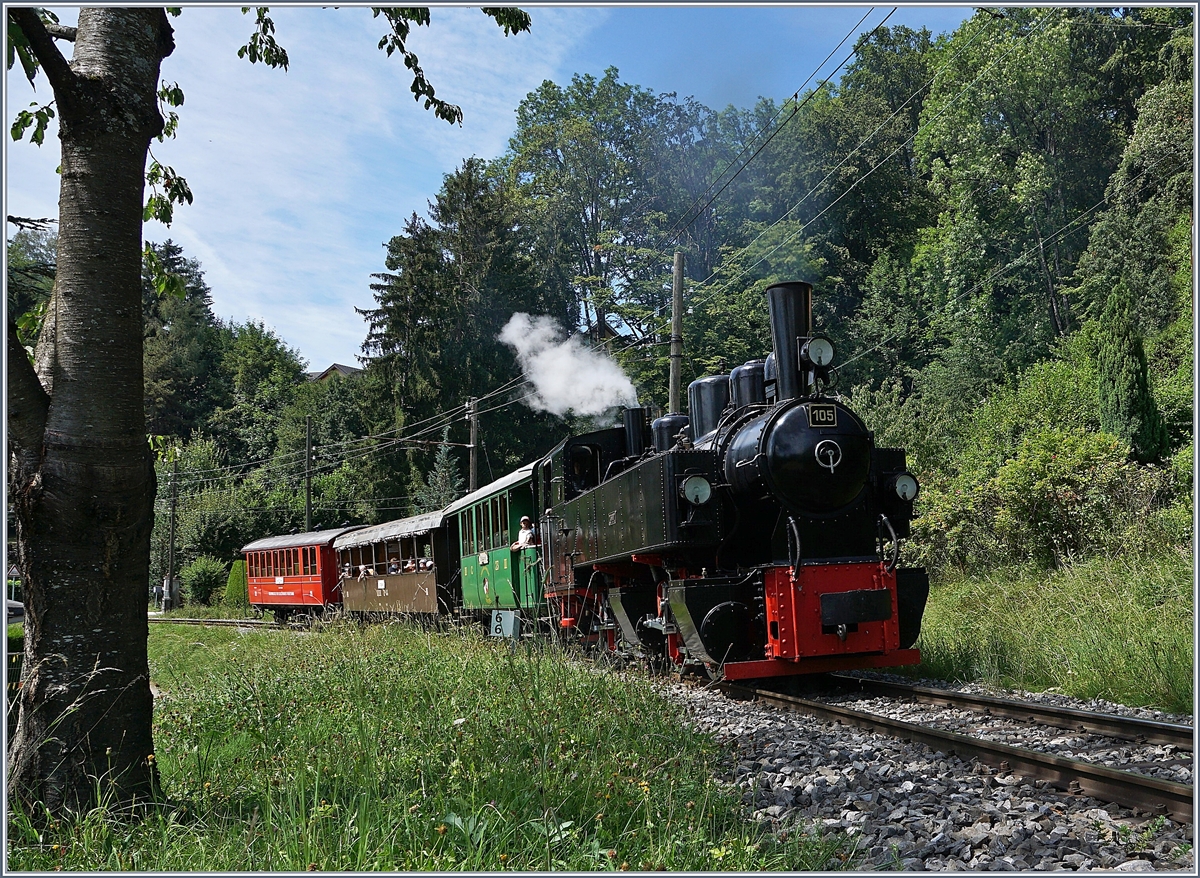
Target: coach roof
point(390, 530)
point(291, 541)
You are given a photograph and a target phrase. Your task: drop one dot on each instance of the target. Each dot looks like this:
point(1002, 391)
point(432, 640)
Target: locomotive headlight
point(696, 490)
point(905, 486)
point(817, 351)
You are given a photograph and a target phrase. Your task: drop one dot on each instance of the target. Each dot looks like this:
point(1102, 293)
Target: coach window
point(502, 538)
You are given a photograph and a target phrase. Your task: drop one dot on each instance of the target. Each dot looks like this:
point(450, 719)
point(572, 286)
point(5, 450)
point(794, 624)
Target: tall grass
point(1119, 629)
point(391, 748)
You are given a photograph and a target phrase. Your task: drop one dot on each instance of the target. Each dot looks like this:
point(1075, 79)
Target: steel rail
point(1111, 725)
point(217, 623)
point(1072, 775)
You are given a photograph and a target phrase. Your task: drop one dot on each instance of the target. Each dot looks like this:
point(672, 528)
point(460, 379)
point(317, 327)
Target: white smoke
point(566, 376)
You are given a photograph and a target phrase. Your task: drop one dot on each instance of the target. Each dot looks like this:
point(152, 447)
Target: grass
point(1119, 629)
point(391, 748)
point(216, 611)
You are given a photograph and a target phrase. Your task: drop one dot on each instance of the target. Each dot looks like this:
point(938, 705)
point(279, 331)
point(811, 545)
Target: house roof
point(337, 370)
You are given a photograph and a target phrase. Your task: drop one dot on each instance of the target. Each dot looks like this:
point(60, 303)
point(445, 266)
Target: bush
point(201, 579)
point(1063, 495)
point(236, 588)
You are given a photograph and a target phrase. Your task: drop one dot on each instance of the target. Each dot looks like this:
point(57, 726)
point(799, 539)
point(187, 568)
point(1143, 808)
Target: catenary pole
point(473, 416)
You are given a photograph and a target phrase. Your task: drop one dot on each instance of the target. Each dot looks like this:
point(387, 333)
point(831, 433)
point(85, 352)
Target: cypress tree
point(1127, 408)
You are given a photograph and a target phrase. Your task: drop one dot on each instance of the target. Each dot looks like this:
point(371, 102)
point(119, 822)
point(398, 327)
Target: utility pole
point(170, 595)
point(473, 417)
point(674, 405)
point(307, 473)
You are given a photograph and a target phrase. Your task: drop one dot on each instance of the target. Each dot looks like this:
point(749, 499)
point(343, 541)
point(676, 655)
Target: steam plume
point(565, 374)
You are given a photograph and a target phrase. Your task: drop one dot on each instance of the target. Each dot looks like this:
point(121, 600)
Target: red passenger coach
point(297, 573)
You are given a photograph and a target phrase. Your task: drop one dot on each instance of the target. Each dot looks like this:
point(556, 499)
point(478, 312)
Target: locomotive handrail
point(895, 544)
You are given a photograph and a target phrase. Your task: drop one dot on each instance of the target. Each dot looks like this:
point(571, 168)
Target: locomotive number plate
point(822, 415)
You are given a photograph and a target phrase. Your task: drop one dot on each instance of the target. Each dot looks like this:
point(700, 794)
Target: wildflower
point(504, 858)
point(612, 855)
point(624, 867)
point(441, 830)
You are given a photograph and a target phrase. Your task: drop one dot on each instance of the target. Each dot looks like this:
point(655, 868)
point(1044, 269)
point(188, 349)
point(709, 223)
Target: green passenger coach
point(494, 575)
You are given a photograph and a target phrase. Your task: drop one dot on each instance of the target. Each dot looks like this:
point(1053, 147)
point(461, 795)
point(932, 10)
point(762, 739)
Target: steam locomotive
point(756, 536)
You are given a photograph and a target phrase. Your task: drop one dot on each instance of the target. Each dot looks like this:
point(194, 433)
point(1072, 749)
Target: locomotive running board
point(818, 664)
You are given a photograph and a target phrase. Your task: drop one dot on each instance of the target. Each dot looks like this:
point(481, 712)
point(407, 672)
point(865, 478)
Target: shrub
point(235, 588)
point(1063, 495)
point(201, 579)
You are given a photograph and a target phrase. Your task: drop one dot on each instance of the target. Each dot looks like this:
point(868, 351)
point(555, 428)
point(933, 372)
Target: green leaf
point(513, 20)
point(262, 45)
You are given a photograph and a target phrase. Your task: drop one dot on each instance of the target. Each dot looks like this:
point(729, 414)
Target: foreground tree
point(81, 476)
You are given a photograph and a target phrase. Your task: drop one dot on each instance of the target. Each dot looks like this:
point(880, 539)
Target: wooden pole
point(170, 595)
point(676, 333)
point(308, 473)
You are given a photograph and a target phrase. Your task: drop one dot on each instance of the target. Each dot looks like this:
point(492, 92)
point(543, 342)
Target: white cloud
point(301, 176)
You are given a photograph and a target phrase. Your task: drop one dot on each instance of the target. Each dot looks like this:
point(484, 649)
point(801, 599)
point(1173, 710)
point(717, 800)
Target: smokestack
point(790, 305)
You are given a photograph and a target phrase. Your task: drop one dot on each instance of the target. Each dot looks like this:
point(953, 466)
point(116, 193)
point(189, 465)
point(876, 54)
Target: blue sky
point(301, 177)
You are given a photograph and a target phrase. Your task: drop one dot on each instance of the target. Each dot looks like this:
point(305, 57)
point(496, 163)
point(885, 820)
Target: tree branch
point(58, 71)
point(60, 31)
point(28, 403)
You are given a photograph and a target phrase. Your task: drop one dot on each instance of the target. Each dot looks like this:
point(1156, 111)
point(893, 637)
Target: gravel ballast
point(906, 806)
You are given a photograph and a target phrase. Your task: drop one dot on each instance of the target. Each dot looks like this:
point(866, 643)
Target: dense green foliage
point(236, 586)
point(376, 750)
point(997, 222)
point(201, 579)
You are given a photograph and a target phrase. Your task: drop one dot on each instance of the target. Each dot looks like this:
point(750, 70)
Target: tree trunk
point(84, 490)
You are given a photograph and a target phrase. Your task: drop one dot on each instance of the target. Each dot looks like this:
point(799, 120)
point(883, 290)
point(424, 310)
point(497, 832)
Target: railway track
point(1127, 728)
point(216, 623)
point(1125, 788)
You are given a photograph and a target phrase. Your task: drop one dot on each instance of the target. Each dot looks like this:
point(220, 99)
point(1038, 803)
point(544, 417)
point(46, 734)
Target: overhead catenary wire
point(742, 270)
point(677, 229)
point(733, 259)
point(1067, 229)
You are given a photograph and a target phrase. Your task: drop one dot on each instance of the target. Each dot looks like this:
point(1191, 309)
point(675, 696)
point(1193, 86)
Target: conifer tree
point(443, 484)
point(1127, 408)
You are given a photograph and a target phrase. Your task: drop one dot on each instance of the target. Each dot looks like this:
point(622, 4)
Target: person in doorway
point(527, 536)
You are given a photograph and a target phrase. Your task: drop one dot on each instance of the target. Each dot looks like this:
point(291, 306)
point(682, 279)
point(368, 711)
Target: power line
point(1024, 257)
